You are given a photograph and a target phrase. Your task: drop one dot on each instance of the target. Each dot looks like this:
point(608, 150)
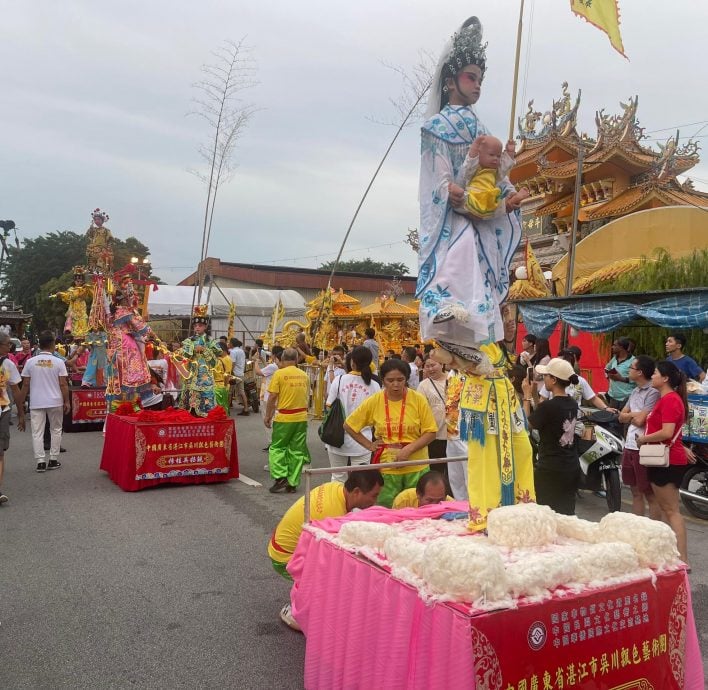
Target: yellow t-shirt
point(417, 421)
point(222, 370)
point(408, 498)
point(326, 501)
point(292, 386)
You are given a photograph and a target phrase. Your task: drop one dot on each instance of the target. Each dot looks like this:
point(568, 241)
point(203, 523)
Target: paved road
point(164, 588)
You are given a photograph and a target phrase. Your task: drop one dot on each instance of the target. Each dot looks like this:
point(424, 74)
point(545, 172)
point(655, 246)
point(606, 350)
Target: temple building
point(620, 175)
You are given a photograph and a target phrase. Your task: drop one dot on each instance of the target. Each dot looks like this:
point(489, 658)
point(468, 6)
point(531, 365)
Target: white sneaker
point(287, 617)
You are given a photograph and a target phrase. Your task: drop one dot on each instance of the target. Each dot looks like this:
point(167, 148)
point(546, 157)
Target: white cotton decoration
point(466, 568)
point(537, 573)
point(654, 541)
point(405, 552)
point(362, 533)
point(605, 560)
point(522, 525)
point(573, 527)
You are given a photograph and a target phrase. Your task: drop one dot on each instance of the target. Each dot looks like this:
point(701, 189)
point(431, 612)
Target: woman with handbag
point(350, 390)
point(434, 388)
point(403, 424)
point(663, 426)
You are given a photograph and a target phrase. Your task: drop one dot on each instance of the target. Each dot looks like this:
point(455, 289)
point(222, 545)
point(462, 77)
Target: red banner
point(88, 405)
point(632, 636)
point(180, 450)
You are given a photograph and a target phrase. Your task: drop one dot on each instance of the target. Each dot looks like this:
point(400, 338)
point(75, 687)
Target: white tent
point(253, 307)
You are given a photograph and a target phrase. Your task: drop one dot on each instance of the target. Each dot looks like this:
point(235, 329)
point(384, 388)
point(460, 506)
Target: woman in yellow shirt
point(222, 378)
point(403, 425)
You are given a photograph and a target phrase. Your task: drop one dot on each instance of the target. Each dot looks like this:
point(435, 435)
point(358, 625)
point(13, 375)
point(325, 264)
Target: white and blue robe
point(463, 262)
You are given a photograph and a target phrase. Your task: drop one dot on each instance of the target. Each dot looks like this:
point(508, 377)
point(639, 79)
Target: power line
point(666, 129)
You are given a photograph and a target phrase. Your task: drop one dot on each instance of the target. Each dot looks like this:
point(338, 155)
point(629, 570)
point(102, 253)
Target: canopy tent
point(603, 313)
point(253, 307)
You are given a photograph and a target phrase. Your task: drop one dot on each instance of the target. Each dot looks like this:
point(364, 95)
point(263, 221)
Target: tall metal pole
point(573, 238)
point(516, 71)
point(574, 230)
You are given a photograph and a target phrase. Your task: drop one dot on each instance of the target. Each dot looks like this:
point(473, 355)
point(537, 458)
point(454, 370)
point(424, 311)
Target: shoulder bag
point(657, 454)
point(331, 431)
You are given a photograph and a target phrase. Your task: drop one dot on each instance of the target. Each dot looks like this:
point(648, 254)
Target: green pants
point(395, 483)
point(288, 451)
point(280, 568)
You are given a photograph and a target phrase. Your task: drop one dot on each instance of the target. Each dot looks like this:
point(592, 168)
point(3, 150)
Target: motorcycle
point(694, 486)
point(600, 449)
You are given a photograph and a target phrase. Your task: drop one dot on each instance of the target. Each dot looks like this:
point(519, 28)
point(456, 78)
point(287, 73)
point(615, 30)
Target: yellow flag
point(604, 14)
point(534, 270)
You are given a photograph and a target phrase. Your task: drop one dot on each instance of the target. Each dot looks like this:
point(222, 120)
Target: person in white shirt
point(352, 389)
point(46, 384)
point(238, 358)
point(9, 380)
point(335, 365)
point(408, 355)
point(267, 371)
point(158, 379)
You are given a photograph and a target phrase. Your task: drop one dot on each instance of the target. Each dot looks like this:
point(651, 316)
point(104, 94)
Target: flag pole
point(516, 71)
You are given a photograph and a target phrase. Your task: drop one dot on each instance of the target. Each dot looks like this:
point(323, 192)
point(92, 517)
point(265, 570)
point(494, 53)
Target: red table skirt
point(138, 455)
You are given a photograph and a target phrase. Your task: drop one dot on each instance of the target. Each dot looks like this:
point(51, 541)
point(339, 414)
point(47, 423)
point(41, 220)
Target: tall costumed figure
point(128, 375)
point(99, 257)
point(75, 297)
point(463, 270)
point(196, 361)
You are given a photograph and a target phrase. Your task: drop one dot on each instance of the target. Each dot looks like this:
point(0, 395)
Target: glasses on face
point(633, 368)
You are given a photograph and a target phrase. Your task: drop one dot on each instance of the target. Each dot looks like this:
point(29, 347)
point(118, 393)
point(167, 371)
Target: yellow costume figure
point(482, 195)
point(500, 467)
point(99, 253)
point(75, 297)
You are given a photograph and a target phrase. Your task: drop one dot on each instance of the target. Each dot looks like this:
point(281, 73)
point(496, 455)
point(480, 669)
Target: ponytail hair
point(361, 358)
point(677, 381)
point(564, 384)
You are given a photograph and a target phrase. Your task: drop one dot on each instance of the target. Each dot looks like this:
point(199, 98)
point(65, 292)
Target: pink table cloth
point(365, 629)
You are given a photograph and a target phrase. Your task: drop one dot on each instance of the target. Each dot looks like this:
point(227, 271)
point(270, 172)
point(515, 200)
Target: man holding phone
point(617, 373)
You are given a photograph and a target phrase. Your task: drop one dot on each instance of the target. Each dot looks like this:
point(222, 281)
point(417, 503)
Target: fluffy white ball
point(536, 573)
point(362, 533)
point(573, 527)
point(522, 525)
point(654, 541)
point(466, 568)
point(608, 559)
point(405, 552)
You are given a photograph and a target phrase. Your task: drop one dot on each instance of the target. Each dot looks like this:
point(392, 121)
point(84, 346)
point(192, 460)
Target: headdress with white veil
point(464, 48)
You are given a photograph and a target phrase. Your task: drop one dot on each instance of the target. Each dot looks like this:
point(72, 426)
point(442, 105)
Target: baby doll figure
point(488, 164)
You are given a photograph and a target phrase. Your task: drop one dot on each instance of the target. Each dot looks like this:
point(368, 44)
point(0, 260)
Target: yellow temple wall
point(678, 229)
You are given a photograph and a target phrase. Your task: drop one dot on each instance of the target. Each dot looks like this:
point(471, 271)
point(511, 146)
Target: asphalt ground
point(169, 587)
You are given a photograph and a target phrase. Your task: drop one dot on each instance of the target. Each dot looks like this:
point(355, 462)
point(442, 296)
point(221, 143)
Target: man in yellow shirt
point(288, 393)
point(333, 499)
point(429, 490)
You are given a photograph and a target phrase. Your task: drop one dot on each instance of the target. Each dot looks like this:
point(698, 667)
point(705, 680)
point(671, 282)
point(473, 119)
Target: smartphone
point(529, 374)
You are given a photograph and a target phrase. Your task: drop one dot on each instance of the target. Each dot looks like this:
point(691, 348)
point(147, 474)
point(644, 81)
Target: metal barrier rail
point(308, 472)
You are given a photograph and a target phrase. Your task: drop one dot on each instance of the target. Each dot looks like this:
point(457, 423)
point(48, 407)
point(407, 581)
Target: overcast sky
point(95, 96)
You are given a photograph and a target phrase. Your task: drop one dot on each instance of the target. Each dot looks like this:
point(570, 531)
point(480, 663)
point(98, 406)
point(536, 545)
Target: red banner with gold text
point(176, 450)
point(630, 637)
point(88, 405)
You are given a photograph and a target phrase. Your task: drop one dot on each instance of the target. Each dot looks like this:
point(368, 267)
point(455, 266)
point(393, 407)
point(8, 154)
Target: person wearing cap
point(558, 468)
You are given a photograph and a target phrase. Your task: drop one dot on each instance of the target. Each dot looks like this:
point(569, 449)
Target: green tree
point(378, 268)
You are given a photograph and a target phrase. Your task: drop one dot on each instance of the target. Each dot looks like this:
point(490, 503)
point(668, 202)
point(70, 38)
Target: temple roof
point(384, 306)
point(634, 198)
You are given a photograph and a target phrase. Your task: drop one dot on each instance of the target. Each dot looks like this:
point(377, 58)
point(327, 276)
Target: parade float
point(540, 600)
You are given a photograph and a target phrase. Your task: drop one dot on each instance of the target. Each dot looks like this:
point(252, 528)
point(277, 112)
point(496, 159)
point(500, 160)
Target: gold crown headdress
point(79, 271)
point(200, 314)
point(97, 213)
